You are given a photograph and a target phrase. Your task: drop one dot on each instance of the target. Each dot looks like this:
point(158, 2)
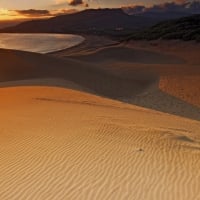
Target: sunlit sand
point(85, 128)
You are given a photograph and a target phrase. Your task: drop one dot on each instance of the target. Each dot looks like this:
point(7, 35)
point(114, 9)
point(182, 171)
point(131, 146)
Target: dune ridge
point(146, 74)
point(168, 71)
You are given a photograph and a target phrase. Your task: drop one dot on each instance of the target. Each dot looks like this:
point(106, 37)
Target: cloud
point(33, 13)
point(183, 6)
point(62, 4)
point(7, 15)
point(77, 3)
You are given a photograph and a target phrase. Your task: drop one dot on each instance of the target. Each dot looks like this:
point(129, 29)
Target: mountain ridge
point(91, 21)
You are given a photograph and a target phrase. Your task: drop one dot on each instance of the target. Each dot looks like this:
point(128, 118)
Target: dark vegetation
point(187, 28)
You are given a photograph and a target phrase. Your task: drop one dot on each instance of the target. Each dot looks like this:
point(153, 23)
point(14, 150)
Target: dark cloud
point(77, 3)
point(34, 13)
point(183, 6)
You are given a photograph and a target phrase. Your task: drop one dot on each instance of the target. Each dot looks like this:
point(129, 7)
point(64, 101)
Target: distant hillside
point(187, 28)
point(5, 24)
point(87, 21)
point(91, 21)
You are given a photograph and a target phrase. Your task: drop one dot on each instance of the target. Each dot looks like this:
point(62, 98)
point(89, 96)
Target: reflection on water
point(40, 43)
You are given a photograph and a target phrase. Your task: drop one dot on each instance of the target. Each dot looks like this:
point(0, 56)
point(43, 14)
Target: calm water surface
point(39, 43)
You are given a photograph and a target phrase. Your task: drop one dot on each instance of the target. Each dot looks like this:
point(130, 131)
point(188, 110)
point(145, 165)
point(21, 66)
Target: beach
point(102, 120)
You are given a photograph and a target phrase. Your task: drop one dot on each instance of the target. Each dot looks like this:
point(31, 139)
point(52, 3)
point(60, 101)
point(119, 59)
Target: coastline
point(91, 43)
point(39, 42)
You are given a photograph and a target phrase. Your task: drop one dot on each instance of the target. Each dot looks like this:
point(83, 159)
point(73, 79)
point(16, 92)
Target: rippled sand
point(61, 139)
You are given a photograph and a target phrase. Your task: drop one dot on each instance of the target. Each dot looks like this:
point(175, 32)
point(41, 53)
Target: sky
point(19, 9)
point(45, 4)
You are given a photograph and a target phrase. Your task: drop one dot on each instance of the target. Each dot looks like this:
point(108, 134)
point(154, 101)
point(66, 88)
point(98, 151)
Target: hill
point(186, 28)
point(90, 21)
point(87, 21)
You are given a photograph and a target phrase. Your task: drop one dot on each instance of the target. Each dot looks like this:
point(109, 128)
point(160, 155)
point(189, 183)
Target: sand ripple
point(53, 150)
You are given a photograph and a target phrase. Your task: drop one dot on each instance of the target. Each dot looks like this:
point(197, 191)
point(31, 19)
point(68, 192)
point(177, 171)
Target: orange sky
point(13, 15)
point(11, 10)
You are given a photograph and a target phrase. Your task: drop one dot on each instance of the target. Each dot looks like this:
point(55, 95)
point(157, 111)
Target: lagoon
point(39, 43)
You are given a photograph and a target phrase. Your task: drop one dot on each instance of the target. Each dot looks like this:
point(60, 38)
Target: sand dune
point(72, 128)
point(185, 50)
point(180, 81)
point(98, 81)
point(168, 76)
point(149, 79)
point(122, 53)
point(62, 144)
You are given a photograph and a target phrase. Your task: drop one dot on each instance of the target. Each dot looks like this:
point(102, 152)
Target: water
point(39, 43)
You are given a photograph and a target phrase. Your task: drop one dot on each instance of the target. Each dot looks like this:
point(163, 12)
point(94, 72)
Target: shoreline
point(40, 42)
point(91, 42)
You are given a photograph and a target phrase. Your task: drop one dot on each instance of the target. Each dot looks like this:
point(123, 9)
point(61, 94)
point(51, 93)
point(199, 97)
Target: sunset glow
point(30, 9)
point(10, 15)
point(6, 14)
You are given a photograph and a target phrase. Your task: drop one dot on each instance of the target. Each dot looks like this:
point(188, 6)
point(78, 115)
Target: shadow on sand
point(27, 66)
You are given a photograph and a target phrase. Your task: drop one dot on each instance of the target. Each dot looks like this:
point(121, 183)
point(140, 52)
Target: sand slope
point(166, 75)
point(163, 84)
point(24, 65)
point(63, 144)
point(70, 127)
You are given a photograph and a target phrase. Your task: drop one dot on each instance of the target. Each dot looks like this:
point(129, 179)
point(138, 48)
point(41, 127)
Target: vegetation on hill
point(187, 28)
